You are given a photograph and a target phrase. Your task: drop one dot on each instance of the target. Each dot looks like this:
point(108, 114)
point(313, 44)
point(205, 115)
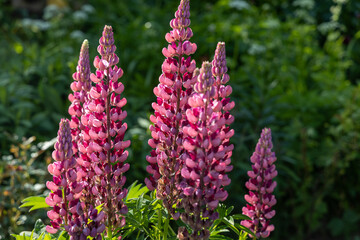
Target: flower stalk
point(169, 110)
point(261, 186)
point(104, 147)
point(206, 159)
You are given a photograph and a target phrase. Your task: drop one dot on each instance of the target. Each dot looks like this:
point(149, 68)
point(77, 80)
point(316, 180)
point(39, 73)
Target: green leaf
point(135, 191)
point(59, 235)
point(41, 237)
point(25, 235)
point(216, 232)
point(35, 202)
point(240, 217)
point(229, 210)
point(47, 237)
point(244, 229)
point(39, 227)
point(218, 237)
point(231, 225)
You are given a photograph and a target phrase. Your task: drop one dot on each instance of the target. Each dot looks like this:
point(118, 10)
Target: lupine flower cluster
point(207, 157)
point(191, 153)
point(261, 186)
point(90, 151)
point(103, 146)
point(172, 96)
point(190, 134)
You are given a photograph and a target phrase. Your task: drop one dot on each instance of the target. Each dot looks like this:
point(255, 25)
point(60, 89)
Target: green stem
point(166, 227)
point(159, 220)
point(172, 231)
point(109, 232)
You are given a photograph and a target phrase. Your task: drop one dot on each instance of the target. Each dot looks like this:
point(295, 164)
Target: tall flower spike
point(80, 87)
point(102, 151)
point(172, 94)
point(261, 186)
point(206, 158)
point(222, 93)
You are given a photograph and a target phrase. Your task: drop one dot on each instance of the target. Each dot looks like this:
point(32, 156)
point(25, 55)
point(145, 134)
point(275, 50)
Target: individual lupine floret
point(261, 186)
point(103, 147)
point(206, 159)
point(65, 189)
point(172, 94)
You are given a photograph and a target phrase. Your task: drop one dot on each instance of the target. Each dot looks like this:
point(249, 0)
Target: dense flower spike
point(261, 187)
point(80, 87)
point(65, 190)
point(68, 211)
point(219, 71)
point(102, 149)
point(206, 159)
point(172, 94)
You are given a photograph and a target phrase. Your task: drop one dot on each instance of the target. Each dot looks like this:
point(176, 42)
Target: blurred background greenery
point(294, 67)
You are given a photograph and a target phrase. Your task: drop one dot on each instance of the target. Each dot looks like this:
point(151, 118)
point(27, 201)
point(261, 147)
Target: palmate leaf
point(25, 235)
point(39, 233)
point(35, 202)
point(135, 190)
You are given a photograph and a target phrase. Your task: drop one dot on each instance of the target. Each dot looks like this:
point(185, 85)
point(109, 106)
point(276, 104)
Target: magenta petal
point(52, 186)
point(51, 230)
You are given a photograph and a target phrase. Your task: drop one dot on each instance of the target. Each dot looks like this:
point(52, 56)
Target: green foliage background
point(293, 65)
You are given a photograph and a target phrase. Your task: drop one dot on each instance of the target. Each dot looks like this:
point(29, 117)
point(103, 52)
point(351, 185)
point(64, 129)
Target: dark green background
point(293, 65)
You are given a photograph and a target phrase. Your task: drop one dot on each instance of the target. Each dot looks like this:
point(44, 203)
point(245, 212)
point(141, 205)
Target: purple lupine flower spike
point(102, 151)
point(219, 71)
point(172, 94)
point(80, 96)
point(64, 187)
point(261, 186)
point(222, 93)
point(207, 158)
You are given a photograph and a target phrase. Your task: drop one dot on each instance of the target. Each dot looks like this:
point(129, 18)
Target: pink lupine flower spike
point(261, 186)
point(172, 93)
point(103, 147)
point(207, 158)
